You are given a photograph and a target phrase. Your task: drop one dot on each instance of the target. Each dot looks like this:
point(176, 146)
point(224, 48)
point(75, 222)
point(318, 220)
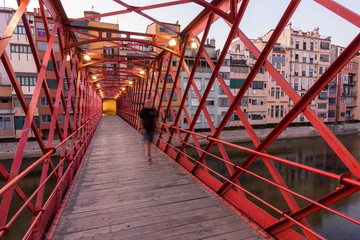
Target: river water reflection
point(312, 152)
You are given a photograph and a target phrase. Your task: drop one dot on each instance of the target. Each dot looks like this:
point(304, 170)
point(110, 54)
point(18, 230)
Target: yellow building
point(158, 29)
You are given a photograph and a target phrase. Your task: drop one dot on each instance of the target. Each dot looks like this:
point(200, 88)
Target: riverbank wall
point(7, 150)
point(241, 135)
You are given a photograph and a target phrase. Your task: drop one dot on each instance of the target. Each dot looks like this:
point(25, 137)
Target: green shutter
point(19, 122)
point(236, 82)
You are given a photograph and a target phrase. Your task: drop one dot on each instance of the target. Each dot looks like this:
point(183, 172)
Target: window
point(322, 106)
point(296, 84)
point(311, 46)
point(272, 111)
point(108, 34)
point(240, 69)
point(52, 83)
point(21, 30)
point(281, 111)
point(26, 79)
point(210, 102)
point(297, 44)
point(42, 46)
point(262, 70)
point(325, 45)
point(304, 45)
point(175, 95)
point(277, 93)
point(16, 102)
point(43, 102)
point(303, 84)
point(331, 114)
point(324, 58)
point(320, 70)
point(46, 118)
point(164, 29)
point(323, 95)
point(277, 111)
point(303, 73)
point(236, 117)
point(257, 85)
point(282, 93)
point(304, 60)
point(174, 63)
point(224, 102)
point(169, 116)
point(224, 75)
point(170, 79)
point(322, 115)
point(278, 60)
point(19, 48)
point(50, 66)
point(332, 101)
point(5, 123)
point(296, 57)
point(272, 91)
point(256, 117)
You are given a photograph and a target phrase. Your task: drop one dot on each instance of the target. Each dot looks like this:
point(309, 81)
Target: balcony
point(350, 83)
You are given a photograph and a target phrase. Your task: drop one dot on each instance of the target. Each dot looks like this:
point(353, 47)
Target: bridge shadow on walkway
point(119, 196)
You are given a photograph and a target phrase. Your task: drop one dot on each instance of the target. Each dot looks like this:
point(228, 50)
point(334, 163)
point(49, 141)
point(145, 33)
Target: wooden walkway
point(119, 196)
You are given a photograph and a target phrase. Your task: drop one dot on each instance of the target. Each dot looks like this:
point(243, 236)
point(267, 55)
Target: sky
point(260, 17)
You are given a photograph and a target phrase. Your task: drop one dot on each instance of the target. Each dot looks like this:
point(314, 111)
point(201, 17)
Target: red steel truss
point(130, 80)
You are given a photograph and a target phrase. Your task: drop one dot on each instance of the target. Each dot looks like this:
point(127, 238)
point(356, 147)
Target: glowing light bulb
point(172, 42)
point(193, 45)
point(68, 58)
point(87, 57)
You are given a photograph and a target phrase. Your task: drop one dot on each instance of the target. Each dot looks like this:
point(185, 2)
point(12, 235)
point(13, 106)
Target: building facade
point(309, 59)
point(344, 89)
point(158, 29)
point(201, 79)
point(12, 115)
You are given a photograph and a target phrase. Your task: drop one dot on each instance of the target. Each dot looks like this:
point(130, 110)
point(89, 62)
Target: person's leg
point(148, 148)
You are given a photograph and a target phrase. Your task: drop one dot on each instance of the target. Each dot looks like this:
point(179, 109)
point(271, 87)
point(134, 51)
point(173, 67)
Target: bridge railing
point(33, 189)
point(291, 221)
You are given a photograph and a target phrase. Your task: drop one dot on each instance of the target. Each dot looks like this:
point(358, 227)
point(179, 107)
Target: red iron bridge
point(101, 187)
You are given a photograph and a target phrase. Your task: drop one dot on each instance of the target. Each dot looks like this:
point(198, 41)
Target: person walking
point(148, 123)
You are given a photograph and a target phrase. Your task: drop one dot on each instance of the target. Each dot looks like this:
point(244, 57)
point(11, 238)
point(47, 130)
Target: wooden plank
point(119, 196)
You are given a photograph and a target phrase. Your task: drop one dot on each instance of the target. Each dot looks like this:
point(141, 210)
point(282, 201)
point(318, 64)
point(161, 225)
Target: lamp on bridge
point(87, 57)
point(172, 42)
point(193, 44)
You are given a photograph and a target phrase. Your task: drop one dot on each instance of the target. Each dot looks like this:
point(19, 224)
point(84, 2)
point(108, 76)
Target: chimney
point(92, 13)
point(316, 30)
point(212, 42)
